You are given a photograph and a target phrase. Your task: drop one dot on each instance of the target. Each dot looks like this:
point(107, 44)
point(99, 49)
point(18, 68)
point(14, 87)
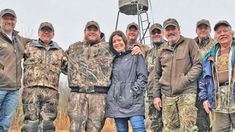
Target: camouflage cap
point(133, 24)
point(46, 24)
point(203, 22)
point(170, 22)
point(7, 11)
point(92, 23)
point(221, 22)
point(155, 26)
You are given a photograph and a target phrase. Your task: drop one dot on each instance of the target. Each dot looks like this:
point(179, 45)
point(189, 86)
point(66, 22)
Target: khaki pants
point(86, 112)
point(223, 122)
point(179, 113)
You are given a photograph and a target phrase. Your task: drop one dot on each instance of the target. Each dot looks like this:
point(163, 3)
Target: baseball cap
point(170, 22)
point(221, 22)
point(92, 23)
point(155, 26)
point(203, 22)
point(133, 24)
point(46, 24)
point(7, 11)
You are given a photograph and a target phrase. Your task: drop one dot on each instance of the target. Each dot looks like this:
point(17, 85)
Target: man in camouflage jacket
point(156, 35)
point(43, 62)
point(89, 69)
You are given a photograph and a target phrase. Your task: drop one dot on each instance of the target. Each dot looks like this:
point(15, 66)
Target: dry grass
point(62, 122)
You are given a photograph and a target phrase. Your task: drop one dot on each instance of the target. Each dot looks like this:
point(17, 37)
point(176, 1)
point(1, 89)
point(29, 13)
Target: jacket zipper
point(172, 59)
point(15, 52)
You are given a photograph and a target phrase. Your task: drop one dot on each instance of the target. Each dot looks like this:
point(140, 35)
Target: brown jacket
point(11, 54)
point(177, 69)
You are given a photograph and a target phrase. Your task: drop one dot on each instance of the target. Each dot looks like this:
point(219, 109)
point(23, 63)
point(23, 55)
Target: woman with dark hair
point(125, 99)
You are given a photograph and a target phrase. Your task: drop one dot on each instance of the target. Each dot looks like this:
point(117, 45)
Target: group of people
point(189, 83)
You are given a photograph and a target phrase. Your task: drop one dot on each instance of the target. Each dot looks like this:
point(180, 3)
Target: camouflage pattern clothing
point(89, 65)
point(40, 109)
point(143, 47)
point(86, 112)
point(203, 121)
point(89, 71)
point(205, 45)
point(42, 68)
point(179, 109)
point(154, 115)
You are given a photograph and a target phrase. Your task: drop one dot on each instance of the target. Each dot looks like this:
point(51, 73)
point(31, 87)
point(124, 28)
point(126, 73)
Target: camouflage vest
point(89, 65)
point(42, 67)
point(151, 59)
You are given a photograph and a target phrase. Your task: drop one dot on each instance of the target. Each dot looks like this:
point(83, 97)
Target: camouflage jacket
point(144, 48)
point(11, 54)
point(42, 66)
point(204, 48)
point(151, 61)
point(89, 66)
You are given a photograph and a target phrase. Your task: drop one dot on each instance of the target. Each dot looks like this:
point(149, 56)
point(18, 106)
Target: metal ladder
point(143, 22)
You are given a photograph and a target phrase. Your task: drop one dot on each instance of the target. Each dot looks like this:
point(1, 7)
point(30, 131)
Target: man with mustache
point(217, 85)
point(177, 68)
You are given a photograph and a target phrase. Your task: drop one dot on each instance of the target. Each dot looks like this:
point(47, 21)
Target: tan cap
point(170, 22)
point(133, 24)
point(7, 11)
point(92, 23)
point(155, 26)
point(203, 22)
point(46, 24)
point(221, 22)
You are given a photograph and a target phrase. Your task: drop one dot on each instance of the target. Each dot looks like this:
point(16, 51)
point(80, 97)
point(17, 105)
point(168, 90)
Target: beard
point(172, 39)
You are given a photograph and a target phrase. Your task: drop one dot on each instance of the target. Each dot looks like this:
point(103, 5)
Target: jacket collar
point(5, 37)
point(38, 43)
point(167, 47)
point(158, 45)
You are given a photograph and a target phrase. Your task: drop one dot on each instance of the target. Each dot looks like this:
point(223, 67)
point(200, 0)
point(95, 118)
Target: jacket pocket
point(125, 98)
point(180, 84)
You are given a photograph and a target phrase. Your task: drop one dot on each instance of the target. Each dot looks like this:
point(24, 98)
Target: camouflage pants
point(40, 109)
point(86, 112)
point(179, 113)
point(155, 116)
point(203, 121)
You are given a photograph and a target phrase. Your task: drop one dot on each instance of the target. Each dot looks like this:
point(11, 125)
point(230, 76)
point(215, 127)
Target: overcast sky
point(70, 16)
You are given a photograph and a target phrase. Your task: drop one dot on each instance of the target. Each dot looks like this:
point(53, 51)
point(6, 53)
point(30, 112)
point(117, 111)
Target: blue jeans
point(8, 103)
point(137, 123)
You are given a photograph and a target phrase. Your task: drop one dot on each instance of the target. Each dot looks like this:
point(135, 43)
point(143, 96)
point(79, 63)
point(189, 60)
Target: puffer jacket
point(126, 95)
